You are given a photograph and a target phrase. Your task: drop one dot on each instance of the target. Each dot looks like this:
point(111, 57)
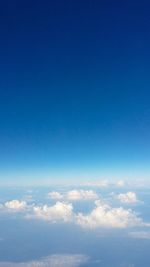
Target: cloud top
point(15, 205)
point(58, 212)
point(105, 216)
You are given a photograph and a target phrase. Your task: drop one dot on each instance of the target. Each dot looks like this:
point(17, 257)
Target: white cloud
point(56, 260)
point(81, 195)
point(102, 215)
point(15, 205)
point(140, 234)
point(58, 212)
point(129, 198)
point(105, 216)
point(55, 195)
point(74, 195)
point(120, 183)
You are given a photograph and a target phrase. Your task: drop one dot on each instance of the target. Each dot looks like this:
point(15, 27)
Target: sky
point(74, 90)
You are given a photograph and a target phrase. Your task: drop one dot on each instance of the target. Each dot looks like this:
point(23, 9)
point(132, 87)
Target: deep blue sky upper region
point(74, 89)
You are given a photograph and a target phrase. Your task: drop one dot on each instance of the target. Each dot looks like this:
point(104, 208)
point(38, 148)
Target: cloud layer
point(74, 195)
point(140, 234)
point(56, 260)
point(103, 215)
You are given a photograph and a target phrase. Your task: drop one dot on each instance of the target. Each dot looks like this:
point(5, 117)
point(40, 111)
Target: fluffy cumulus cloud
point(129, 198)
point(105, 216)
point(15, 205)
point(81, 195)
point(102, 215)
point(57, 260)
point(58, 212)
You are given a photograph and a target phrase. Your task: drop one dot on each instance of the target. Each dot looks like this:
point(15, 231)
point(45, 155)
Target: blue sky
point(74, 90)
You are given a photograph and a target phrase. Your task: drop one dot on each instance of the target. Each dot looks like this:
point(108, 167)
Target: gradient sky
point(74, 89)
